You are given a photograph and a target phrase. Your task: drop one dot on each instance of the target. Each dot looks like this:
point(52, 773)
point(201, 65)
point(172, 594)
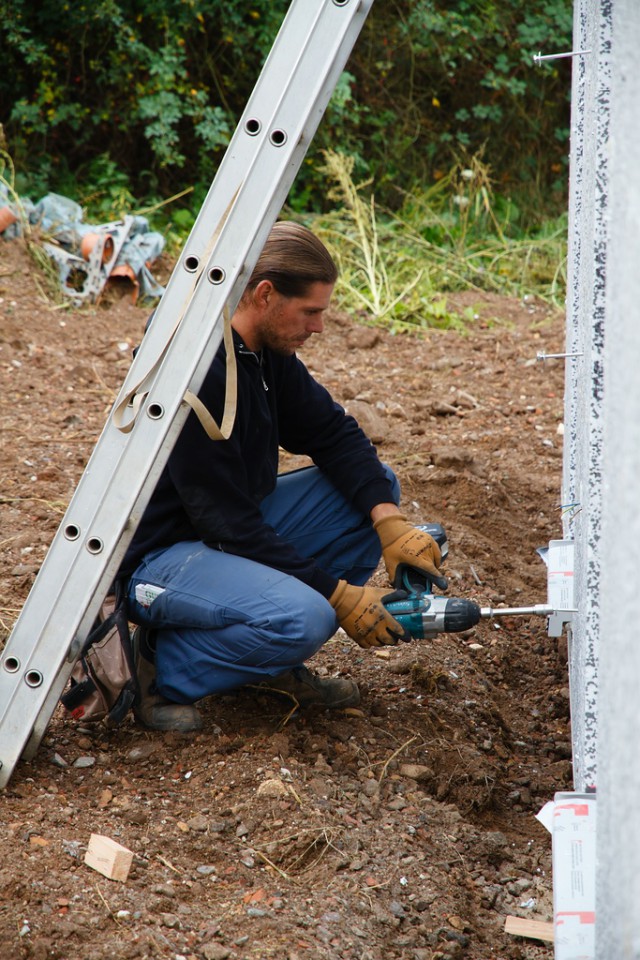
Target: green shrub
point(157, 88)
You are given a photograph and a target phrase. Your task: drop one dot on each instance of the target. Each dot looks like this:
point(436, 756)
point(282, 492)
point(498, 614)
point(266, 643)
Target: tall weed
point(361, 245)
point(397, 267)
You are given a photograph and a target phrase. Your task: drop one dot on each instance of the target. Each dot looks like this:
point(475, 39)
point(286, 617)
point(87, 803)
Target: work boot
point(333, 693)
point(150, 708)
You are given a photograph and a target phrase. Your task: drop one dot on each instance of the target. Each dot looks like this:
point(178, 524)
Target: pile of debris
point(87, 256)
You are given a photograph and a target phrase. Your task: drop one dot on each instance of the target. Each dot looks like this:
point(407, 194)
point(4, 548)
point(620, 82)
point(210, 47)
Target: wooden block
point(535, 929)
point(108, 857)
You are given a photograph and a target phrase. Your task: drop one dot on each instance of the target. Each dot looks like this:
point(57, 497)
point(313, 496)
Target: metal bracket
point(559, 559)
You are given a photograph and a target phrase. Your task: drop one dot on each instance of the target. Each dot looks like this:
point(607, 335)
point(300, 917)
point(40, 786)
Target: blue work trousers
point(220, 621)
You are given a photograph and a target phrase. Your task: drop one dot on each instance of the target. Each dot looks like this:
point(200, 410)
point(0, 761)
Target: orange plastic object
point(124, 272)
point(7, 217)
point(89, 241)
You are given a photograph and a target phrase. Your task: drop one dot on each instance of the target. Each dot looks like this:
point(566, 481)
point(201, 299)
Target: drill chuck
point(460, 615)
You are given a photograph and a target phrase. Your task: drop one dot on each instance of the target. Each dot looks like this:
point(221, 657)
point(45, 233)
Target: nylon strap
point(213, 431)
point(130, 404)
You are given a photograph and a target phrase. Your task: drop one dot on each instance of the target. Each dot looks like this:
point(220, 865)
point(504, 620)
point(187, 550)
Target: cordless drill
point(424, 615)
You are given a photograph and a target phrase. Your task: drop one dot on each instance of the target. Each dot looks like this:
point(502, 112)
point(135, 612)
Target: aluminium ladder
point(248, 191)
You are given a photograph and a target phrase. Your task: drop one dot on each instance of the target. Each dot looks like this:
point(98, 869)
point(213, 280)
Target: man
point(237, 575)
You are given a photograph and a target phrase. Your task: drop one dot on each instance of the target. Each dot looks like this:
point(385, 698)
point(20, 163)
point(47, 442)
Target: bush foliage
point(149, 91)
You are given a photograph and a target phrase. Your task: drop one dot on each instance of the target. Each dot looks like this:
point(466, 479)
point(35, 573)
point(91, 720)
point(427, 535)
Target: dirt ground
point(403, 829)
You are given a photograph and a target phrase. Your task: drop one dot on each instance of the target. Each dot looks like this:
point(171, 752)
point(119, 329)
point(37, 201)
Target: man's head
point(289, 290)
point(292, 259)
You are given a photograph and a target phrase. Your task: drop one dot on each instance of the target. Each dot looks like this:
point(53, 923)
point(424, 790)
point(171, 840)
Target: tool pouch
point(103, 682)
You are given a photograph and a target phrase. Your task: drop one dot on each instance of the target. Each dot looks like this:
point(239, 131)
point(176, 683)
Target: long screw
point(538, 58)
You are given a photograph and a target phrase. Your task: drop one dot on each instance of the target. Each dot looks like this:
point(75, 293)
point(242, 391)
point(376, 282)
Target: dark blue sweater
point(212, 490)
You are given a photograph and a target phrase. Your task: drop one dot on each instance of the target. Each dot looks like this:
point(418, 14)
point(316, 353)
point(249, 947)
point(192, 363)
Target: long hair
point(292, 259)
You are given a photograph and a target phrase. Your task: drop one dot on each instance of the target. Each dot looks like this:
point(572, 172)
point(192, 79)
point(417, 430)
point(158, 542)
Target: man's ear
point(263, 293)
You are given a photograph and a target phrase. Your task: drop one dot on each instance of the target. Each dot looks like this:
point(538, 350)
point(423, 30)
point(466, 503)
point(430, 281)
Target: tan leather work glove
point(403, 543)
point(362, 615)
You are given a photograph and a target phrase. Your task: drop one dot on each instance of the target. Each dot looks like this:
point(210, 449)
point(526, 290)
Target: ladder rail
point(124, 468)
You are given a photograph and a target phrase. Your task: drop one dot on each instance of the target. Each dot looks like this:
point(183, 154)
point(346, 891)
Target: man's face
point(289, 321)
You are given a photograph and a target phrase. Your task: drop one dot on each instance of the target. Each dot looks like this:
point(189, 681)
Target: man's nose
point(315, 324)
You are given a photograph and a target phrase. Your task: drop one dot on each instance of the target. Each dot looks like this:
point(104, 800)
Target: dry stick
point(310, 847)
point(44, 299)
point(377, 886)
point(393, 756)
point(328, 846)
point(285, 693)
point(12, 613)
point(294, 836)
point(100, 379)
point(270, 863)
point(282, 724)
point(109, 910)
point(54, 504)
point(163, 203)
point(165, 863)
point(291, 790)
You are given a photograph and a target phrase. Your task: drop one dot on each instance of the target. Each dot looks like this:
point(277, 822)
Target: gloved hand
point(403, 543)
point(363, 617)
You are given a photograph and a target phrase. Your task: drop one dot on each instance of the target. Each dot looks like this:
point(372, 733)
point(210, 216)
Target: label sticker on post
point(560, 574)
point(559, 560)
point(574, 875)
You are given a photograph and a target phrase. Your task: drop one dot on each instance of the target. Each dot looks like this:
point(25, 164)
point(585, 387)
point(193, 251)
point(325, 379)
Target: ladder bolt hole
point(94, 545)
point(278, 138)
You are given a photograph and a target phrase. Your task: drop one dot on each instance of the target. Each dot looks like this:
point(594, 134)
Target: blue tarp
point(62, 220)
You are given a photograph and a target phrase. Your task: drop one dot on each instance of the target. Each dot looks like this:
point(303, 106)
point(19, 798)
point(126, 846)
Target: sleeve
point(312, 423)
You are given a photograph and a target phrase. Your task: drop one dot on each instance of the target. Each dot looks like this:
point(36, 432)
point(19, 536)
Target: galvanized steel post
point(618, 834)
point(582, 484)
